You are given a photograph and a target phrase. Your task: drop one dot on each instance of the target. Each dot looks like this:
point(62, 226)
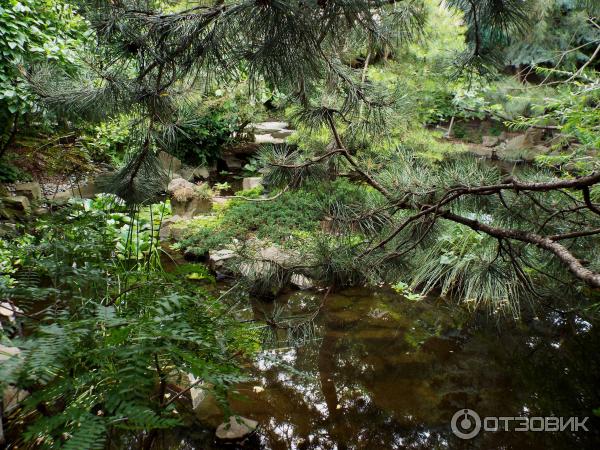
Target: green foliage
point(97, 363)
point(9, 173)
point(273, 221)
point(202, 136)
point(560, 34)
point(32, 32)
point(108, 141)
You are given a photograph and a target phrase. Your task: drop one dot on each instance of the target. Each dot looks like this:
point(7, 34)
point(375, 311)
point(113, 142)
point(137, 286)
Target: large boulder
point(218, 258)
point(169, 163)
point(201, 173)
point(193, 173)
point(8, 352)
point(268, 127)
point(236, 429)
point(14, 207)
point(31, 190)
point(251, 183)
point(526, 141)
point(283, 134)
point(191, 207)
point(170, 232)
point(179, 183)
point(232, 162)
point(188, 199)
point(262, 139)
point(9, 311)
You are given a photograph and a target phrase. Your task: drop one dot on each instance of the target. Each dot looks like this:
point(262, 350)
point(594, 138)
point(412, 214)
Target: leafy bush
point(34, 31)
point(100, 363)
point(9, 173)
point(107, 142)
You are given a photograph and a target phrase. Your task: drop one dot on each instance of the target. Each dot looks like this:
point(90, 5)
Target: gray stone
point(179, 183)
point(165, 227)
point(7, 229)
point(8, 352)
point(217, 258)
point(268, 127)
point(187, 173)
point(276, 255)
point(191, 207)
point(267, 139)
point(283, 134)
point(186, 201)
point(534, 135)
point(236, 429)
point(193, 173)
point(11, 207)
point(251, 183)
point(169, 163)
point(490, 141)
point(32, 190)
point(526, 141)
point(201, 172)
point(11, 398)
point(219, 200)
point(233, 163)
point(84, 190)
point(301, 281)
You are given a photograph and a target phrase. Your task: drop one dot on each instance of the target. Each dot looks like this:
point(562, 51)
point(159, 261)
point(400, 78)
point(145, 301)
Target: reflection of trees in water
point(381, 380)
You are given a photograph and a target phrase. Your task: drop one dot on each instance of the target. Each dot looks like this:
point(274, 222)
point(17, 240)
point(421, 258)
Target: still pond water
point(383, 372)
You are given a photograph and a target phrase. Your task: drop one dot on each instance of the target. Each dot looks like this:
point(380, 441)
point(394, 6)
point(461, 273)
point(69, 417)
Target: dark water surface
point(384, 372)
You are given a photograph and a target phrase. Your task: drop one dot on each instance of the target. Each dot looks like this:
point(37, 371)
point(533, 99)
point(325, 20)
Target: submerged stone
point(236, 429)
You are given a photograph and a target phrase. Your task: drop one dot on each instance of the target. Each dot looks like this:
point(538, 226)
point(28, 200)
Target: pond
point(383, 372)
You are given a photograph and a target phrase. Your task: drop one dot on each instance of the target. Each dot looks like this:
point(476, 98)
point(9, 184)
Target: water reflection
point(390, 373)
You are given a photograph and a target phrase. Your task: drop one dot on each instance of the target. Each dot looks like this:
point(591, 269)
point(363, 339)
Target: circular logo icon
point(466, 423)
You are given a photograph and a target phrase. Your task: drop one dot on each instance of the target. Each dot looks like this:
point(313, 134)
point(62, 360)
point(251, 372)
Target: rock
point(201, 172)
point(218, 200)
point(276, 255)
point(11, 207)
point(9, 311)
point(516, 143)
point(262, 139)
point(41, 211)
point(89, 189)
point(12, 396)
point(179, 183)
point(186, 200)
point(283, 134)
point(166, 232)
point(236, 429)
point(8, 352)
point(32, 190)
point(251, 183)
point(217, 258)
point(7, 229)
point(187, 173)
point(534, 135)
point(268, 127)
point(169, 163)
point(191, 207)
point(232, 162)
point(490, 141)
point(301, 282)
point(529, 140)
point(193, 173)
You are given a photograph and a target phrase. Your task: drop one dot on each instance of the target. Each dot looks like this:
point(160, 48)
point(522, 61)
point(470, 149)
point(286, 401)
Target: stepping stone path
point(271, 132)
